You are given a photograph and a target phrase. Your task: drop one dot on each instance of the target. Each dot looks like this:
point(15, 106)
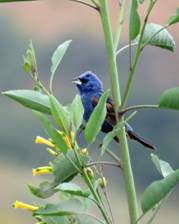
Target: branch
point(136, 107)
point(108, 163)
point(86, 4)
point(125, 47)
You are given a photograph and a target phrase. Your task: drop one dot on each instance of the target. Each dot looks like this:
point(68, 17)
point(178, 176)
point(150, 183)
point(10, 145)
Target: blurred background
point(49, 23)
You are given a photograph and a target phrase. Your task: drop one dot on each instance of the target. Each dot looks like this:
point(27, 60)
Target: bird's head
point(88, 82)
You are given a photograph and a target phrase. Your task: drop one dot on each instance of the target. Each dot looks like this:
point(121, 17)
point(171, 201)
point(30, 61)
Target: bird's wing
point(110, 119)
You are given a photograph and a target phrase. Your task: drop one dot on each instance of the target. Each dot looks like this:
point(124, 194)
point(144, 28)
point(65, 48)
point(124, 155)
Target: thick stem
point(127, 170)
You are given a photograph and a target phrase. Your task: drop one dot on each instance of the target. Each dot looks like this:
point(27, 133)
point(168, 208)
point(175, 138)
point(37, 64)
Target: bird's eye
point(84, 81)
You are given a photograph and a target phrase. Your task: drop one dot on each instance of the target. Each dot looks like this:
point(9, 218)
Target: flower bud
point(40, 140)
point(84, 152)
point(19, 204)
point(89, 172)
point(102, 182)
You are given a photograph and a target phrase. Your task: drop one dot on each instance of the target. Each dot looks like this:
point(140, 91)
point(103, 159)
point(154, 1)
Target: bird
point(90, 90)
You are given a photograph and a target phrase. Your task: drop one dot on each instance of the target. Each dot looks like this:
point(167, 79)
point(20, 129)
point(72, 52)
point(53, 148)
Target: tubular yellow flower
point(40, 140)
point(42, 170)
point(19, 204)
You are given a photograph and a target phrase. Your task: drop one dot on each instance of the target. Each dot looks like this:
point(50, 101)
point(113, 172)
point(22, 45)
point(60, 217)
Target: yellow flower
point(40, 140)
point(42, 170)
point(19, 204)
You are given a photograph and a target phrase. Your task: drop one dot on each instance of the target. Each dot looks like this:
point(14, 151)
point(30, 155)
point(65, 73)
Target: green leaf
point(170, 99)
point(70, 207)
point(96, 119)
point(158, 36)
point(73, 189)
point(57, 57)
point(31, 99)
point(29, 60)
point(54, 220)
point(134, 23)
point(45, 190)
point(158, 190)
point(64, 170)
point(56, 137)
point(110, 136)
point(60, 115)
point(77, 112)
point(174, 19)
point(163, 167)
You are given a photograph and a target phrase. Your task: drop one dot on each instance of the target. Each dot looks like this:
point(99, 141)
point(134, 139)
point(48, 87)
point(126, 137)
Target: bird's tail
point(134, 136)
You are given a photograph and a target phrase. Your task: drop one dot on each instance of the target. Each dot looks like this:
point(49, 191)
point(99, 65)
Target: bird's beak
point(77, 81)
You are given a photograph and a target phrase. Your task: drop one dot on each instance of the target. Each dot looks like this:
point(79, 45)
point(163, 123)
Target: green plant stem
point(136, 107)
point(108, 163)
point(111, 53)
point(136, 57)
point(125, 47)
point(127, 170)
point(91, 187)
point(120, 24)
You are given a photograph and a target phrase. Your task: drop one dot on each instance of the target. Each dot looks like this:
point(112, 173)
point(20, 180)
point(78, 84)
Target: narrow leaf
point(163, 167)
point(77, 112)
point(170, 99)
point(158, 190)
point(134, 23)
point(29, 60)
point(96, 119)
point(156, 35)
point(174, 19)
point(70, 207)
point(31, 99)
point(57, 57)
point(60, 114)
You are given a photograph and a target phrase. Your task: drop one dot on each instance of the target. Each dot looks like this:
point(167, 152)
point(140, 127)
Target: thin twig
point(108, 163)
point(108, 203)
point(136, 107)
point(125, 47)
point(86, 4)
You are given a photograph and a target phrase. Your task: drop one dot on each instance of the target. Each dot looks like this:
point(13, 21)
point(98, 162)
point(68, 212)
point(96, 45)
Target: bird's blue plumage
point(91, 88)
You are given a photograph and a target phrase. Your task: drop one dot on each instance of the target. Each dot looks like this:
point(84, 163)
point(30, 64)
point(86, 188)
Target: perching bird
point(91, 89)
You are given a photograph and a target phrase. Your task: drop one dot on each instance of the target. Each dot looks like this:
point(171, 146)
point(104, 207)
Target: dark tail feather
point(134, 136)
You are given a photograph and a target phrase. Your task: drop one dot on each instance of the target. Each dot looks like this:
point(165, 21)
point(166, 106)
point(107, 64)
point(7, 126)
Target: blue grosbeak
point(90, 89)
